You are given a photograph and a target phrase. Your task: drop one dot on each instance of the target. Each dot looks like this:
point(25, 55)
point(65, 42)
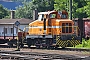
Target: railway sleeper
point(9, 57)
point(4, 57)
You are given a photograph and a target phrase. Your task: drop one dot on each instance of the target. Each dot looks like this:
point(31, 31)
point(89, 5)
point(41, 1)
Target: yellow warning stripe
point(64, 43)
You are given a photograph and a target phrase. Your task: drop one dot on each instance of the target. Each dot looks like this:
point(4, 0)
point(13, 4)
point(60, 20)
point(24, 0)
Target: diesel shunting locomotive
point(52, 29)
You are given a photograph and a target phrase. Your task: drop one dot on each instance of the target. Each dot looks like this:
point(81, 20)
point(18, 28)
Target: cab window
point(40, 17)
point(63, 16)
point(52, 15)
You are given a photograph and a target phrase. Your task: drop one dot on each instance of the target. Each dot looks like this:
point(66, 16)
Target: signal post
point(17, 23)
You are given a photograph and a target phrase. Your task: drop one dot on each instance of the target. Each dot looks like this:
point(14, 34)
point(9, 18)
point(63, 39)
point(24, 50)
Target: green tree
point(78, 10)
point(61, 5)
point(3, 12)
point(87, 8)
point(24, 11)
point(43, 5)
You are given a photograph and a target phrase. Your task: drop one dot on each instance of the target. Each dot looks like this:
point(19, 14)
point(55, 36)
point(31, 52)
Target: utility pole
point(70, 8)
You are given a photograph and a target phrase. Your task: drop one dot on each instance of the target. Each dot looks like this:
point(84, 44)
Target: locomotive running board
point(38, 36)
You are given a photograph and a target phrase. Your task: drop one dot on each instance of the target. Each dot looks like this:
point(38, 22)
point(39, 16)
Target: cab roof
point(49, 12)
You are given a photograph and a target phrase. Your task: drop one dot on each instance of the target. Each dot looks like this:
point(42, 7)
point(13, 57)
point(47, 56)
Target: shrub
point(85, 44)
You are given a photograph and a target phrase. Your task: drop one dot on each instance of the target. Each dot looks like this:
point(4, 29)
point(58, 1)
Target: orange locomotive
point(53, 29)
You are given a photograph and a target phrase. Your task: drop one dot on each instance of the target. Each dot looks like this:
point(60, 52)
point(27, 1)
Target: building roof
point(12, 21)
point(10, 4)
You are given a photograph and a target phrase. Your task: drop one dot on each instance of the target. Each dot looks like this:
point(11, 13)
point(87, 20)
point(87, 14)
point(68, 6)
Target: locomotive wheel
point(38, 47)
point(53, 47)
point(49, 47)
point(21, 45)
point(29, 42)
point(29, 46)
point(10, 44)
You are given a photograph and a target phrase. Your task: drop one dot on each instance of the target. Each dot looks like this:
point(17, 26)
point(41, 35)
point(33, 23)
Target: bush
point(85, 44)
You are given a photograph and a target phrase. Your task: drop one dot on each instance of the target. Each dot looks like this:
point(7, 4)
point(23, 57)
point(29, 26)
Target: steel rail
point(41, 56)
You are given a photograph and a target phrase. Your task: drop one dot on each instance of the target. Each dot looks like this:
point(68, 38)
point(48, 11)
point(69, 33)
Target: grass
point(85, 44)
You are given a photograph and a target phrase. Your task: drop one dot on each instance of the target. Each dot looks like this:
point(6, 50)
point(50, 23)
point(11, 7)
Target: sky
point(10, 5)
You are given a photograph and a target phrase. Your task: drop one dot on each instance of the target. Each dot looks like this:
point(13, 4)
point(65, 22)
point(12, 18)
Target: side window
point(11, 30)
point(52, 16)
point(5, 30)
point(63, 16)
point(40, 17)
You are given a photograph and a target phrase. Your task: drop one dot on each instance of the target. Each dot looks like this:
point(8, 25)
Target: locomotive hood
point(64, 20)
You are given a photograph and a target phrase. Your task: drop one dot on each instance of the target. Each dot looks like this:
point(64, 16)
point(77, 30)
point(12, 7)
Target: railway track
point(17, 55)
point(21, 55)
point(75, 49)
point(64, 49)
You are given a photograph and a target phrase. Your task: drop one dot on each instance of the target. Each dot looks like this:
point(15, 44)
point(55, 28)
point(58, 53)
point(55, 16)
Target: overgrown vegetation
point(85, 44)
